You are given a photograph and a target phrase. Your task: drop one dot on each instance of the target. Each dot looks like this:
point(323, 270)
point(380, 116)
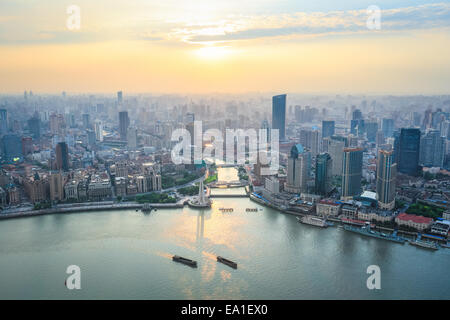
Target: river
point(127, 255)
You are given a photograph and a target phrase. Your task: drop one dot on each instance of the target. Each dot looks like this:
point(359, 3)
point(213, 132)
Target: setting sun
point(213, 52)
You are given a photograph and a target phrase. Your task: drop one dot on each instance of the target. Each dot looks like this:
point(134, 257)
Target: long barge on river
point(188, 262)
point(366, 231)
point(227, 262)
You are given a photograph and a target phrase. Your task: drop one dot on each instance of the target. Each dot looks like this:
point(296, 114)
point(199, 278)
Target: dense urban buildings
point(338, 156)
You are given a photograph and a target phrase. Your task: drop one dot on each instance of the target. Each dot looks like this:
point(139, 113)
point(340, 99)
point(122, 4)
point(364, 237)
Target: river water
point(127, 255)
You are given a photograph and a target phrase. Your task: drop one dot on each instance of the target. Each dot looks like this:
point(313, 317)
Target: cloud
point(319, 23)
point(32, 28)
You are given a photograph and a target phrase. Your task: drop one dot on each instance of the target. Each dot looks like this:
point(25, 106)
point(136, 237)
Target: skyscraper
point(310, 139)
point(371, 131)
point(336, 151)
point(386, 176)
point(327, 128)
point(3, 121)
point(124, 122)
point(432, 149)
point(119, 98)
point(357, 127)
point(323, 174)
point(98, 130)
point(265, 125)
point(351, 173)
point(279, 114)
point(34, 126)
point(62, 156)
point(357, 115)
point(12, 147)
point(86, 121)
point(388, 127)
point(297, 176)
point(408, 151)
point(132, 138)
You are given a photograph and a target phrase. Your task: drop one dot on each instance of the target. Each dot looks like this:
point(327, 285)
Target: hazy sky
point(202, 46)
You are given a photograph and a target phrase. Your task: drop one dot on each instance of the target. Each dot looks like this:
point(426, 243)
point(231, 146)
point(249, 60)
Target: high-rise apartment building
point(386, 179)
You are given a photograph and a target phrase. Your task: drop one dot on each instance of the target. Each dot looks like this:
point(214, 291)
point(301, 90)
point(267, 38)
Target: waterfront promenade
point(85, 207)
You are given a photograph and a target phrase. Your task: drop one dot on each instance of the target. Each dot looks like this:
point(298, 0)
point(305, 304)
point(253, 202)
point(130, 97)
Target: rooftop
point(414, 218)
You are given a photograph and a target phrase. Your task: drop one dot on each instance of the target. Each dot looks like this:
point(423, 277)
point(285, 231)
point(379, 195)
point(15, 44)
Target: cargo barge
point(227, 262)
point(424, 244)
point(313, 221)
point(188, 262)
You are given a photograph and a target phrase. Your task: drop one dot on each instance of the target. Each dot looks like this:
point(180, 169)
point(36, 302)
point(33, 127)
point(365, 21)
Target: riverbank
point(86, 207)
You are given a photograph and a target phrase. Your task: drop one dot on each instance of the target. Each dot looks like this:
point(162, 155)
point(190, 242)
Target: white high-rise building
point(99, 130)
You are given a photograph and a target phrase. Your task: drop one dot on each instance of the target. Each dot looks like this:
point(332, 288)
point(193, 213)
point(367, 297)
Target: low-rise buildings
point(327, 208)
point(410, 220)
point(441, 227)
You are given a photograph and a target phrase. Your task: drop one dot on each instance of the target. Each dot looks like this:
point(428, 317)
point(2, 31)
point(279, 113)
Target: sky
point(226, 46)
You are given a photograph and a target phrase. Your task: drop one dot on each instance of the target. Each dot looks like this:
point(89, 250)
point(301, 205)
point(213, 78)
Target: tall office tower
point(357, 127)
point(279, 114)
point(57, 124)
point(386, 177)
point(132, 138)
point(351, 173)
point(298, 113)
point(336, 151)
point(189, 117)
point(417, 117)
point(407, 151)
point(427, 119)
point(323, 174)
point(445, 129)
point(265, 125)
point(371, 131)
point(387, 127)
point(437, 118)
point(27, 145)
point(62, 156)
point(432, 149)
point(3, 121)
point(119, 98)
point(98, 130)
point(12, 147)
point(124, 122)
point(380, 138)
point(34, 126)
point(91, 138)
point(297, 176)
point(56, 187)
point(310, 139)
point(327, 128)
point(70, 120)
point(357, 115)
point(86, 121)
